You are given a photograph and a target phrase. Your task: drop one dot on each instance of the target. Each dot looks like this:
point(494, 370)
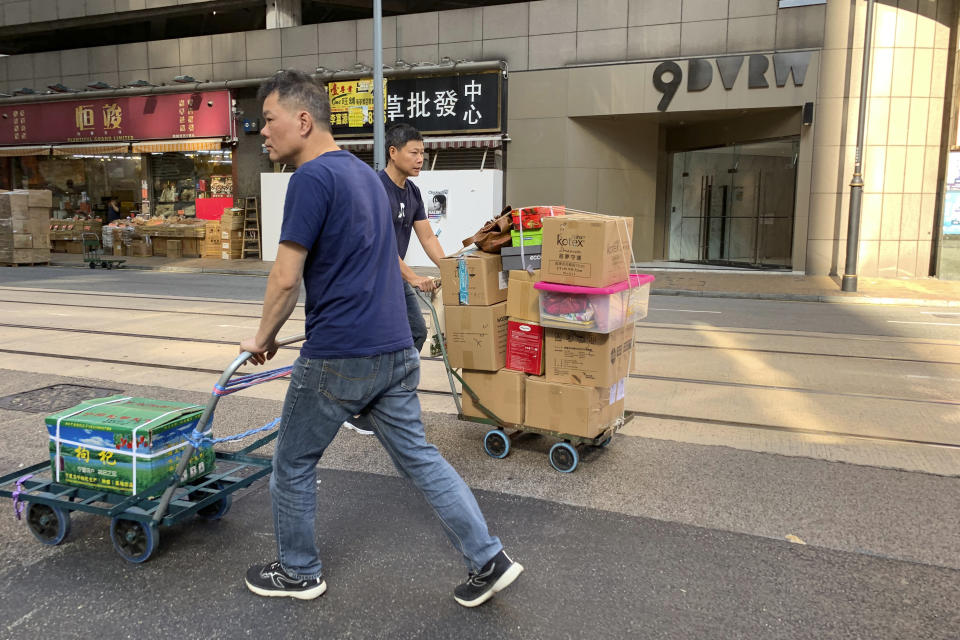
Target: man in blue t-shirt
point(337, 239)
point(404, 152)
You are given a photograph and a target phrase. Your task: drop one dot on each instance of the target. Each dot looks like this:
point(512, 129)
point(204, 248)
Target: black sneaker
point(496, 575)
point(272, 580)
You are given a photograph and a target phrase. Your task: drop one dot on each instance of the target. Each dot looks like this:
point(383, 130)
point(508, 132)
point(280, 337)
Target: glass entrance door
point(734, 205)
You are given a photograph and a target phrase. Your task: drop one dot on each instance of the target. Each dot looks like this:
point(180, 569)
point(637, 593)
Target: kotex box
point(589, 250)
point(476, 337)
point(572, 409)
point(525, 347)
point(596, 309)
point(588, 359)
point(124, 444)
point(501, 392)
point(473, 278)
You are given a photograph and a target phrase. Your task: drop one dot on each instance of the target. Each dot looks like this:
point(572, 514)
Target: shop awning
point(92, 149)
point(32, 150)
point(192, 144)
point(440, 142)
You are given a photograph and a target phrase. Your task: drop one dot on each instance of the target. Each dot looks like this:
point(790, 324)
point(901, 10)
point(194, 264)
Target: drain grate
point(53, 398)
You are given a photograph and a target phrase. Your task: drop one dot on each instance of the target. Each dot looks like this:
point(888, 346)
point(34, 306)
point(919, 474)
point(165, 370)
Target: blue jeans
point(324, 393)
point(418, 327)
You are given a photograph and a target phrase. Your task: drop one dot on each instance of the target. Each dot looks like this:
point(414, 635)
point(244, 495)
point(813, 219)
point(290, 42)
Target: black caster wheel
point(93, 265)
point(496, 443)
point(217, 509)
point(606, 441)
point(49, 525)
point(135, 541)
point(564, 457)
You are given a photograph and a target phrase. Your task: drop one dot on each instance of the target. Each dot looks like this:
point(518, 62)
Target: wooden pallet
point(24, 264)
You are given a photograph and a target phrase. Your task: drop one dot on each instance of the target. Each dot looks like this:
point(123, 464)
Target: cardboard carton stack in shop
point(24, 226)
point(568, 326)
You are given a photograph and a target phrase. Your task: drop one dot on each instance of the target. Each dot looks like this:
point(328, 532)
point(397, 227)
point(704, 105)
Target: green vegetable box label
point(123, 444)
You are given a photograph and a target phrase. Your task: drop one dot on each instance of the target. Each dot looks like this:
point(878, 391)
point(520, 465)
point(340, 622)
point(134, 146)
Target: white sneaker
point(363, 432)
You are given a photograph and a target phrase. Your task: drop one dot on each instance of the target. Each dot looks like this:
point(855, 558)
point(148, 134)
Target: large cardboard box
point(93, 444)
point(191, 247)
point(174, 248)
point(14, 204)
point(501, 392)
point(523, 301)
point(232, 219)
point(525, 347)
point(587, 249)
point(477, 337)
point(478, 282)
point(588, 359)
point(572, 409)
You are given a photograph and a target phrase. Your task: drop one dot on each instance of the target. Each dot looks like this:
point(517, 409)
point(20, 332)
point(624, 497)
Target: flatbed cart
point(93, 253)
point(564, 455)
point(135, 520)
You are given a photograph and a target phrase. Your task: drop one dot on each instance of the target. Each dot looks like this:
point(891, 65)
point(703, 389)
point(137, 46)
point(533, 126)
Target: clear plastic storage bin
point(598, 310)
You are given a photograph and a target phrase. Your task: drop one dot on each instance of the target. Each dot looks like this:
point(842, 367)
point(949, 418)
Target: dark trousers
point(418, 327)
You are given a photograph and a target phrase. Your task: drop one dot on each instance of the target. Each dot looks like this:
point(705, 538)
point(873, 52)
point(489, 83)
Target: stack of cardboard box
point(561, 380)
point(25, 226)
point(211, 239)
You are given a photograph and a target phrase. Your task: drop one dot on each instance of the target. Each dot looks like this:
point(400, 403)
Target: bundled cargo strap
point(245, 382)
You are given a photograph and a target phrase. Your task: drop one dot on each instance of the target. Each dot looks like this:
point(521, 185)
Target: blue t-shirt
point(406, 207)
point(337, 210)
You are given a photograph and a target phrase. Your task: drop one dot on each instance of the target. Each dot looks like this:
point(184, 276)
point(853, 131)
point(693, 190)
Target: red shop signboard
point(152, 117)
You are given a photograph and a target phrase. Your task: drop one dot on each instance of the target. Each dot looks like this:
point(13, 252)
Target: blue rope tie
point(198, 439)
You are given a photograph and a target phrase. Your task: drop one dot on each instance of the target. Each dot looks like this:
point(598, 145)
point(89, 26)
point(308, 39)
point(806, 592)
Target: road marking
point(686, 311)
point(941, 314)
point(937, 324)
point(235, 326)
point(934, 378)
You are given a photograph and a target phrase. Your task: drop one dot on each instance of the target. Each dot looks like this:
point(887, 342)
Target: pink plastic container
point(598, 310)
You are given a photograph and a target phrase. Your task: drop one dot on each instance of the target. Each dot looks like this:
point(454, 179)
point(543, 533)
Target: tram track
point(628, 414)
point(634, 376)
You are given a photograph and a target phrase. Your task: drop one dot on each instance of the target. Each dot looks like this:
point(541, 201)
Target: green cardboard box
point(124, 444)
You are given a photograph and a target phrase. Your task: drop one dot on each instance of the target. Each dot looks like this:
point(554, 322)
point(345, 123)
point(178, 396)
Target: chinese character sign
point(444, 104)
point(157, 117)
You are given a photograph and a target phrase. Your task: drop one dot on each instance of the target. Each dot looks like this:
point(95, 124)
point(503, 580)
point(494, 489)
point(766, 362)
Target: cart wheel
point(108, 265)
point(49, 525)
point(563, 457)
point(135, 541)
point(218, 509)
point(93, 265)
point(605, 442)
point(496, 443)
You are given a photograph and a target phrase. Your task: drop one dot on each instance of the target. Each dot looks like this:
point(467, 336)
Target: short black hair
point(297, 89)
point(399, 134)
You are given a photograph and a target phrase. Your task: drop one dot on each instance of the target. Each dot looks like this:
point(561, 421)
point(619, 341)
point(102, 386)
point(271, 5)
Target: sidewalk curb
point(692, 293)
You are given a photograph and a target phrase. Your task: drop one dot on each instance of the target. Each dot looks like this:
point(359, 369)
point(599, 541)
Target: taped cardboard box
point(588, 359)
point(473, 278)
point(501, 392)
point(588, 250)
point(525, 347)
point(124, 444)
point(477, 336)
point(232, 219)
point(174, 248)
point(523, 301)
point(572, 409)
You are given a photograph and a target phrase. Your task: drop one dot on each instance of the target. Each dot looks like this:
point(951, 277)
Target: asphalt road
point(650, 538)
point(916, 322)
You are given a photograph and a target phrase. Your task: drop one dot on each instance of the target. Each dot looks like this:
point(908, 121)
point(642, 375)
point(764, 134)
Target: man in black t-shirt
point(404, 159)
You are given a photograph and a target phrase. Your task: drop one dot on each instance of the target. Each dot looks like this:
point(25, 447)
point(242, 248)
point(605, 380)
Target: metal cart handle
point(205, 417)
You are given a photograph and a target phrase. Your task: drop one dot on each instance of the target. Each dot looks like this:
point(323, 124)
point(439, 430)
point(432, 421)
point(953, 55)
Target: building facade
point(725, 128)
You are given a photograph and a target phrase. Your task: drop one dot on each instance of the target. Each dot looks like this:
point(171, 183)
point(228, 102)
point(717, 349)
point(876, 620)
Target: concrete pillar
point(284, 13)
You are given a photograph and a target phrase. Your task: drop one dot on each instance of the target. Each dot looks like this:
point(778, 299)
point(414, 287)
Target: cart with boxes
point(543, 333)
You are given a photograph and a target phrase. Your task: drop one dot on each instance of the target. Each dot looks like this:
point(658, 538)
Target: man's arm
point(283, 290)
point(424, 283)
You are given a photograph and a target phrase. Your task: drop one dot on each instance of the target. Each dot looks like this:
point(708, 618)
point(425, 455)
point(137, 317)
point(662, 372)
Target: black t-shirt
point(406, 207)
